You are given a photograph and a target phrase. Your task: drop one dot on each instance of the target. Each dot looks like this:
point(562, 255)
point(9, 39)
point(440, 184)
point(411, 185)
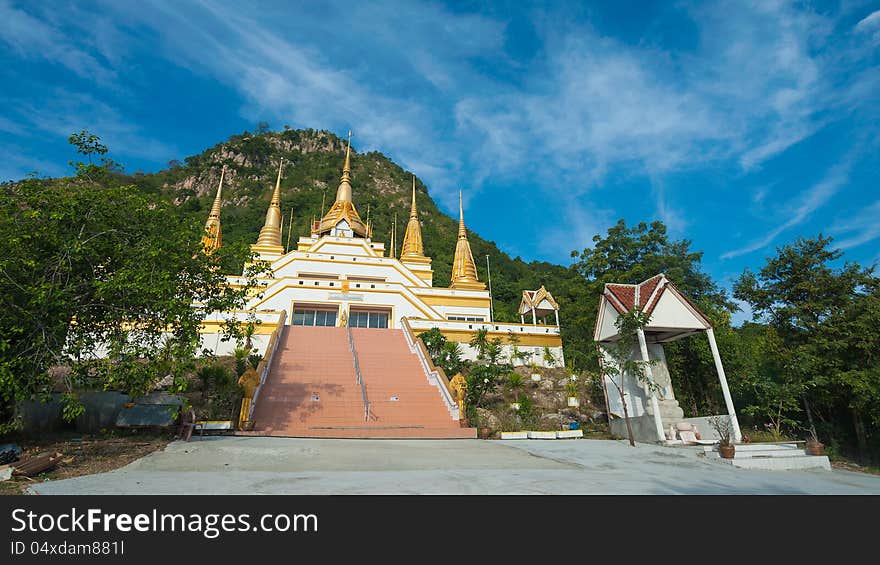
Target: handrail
point(357, 372)
point(433, 372)
point(266, 363)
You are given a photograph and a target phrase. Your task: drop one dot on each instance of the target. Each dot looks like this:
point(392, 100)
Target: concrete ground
point(267, 465)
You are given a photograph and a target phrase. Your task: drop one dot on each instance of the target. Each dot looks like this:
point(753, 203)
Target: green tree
point(480, 342)
point(481, 381)
point(434, 341)
point(100, 278)
point(825, 329)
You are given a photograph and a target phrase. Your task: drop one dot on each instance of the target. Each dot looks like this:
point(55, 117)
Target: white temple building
point(338, 275)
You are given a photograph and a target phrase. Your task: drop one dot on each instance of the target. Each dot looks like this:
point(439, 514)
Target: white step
point(755, 454)
point(762, 448)
point(781, 463)
point(768, 446)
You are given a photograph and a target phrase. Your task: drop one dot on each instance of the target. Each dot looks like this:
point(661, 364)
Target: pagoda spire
point(213, 237)
point(464, 271)
point(412, 239)
point(270, 235)
point(342, 219)
point(343, 193)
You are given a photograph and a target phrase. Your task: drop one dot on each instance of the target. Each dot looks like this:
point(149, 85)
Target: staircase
point(771, 457)
point(312, 389)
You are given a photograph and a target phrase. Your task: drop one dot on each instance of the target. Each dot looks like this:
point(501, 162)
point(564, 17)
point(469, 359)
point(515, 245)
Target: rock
point(488, 419)
point(164, 383)
point(558, 420)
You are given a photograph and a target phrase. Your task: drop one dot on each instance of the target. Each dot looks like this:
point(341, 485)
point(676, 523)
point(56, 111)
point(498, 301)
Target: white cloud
point(800, 209)
point(870, 23)
point(33, 37)
point(411, 80)
point(859, 228)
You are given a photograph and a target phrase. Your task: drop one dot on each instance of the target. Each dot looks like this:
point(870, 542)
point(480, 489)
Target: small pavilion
point(540, 304)
point(672, 316)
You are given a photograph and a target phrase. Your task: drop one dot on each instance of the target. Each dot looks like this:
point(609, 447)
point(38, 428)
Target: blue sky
point(740, 125)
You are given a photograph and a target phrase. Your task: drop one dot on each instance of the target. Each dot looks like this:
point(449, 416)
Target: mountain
point(382, 189)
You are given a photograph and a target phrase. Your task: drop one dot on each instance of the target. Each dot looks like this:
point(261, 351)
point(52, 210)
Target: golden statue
point(249, 381)
point(458, 384)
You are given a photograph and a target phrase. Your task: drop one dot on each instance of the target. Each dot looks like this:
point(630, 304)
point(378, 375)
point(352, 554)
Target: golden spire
point(343, 209)
point(412, 239)
point(343, 193)
point(213, 238)
point(270, 235)
point(464, 271)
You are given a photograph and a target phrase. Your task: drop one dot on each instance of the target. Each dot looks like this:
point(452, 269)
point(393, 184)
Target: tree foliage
point(98, 281)
point(819, 340)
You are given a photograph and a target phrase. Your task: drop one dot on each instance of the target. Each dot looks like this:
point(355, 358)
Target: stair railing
point(357, 372)
point(436, 375)
point(265, 364)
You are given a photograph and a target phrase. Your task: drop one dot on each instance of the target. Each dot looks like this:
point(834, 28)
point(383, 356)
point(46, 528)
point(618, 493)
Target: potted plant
point(814, 446)
point(722, 427)
point(572, 389)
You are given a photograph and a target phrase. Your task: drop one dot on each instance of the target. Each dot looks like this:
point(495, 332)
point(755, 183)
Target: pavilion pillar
point(534, 318)
point(655, 405)
point(522, 319)
point(725, 390)
point(557, 317)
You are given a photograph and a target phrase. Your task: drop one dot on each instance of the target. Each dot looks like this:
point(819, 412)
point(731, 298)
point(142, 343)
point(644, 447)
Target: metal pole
point(289, 226)
point(491, 303)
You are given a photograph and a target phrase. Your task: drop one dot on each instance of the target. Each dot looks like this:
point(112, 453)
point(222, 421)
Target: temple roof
point(672, 314)
point(540, 300)
point(343, 209)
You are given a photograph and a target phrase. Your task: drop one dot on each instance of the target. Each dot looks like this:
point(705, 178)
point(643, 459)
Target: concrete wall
point(703, 426)
point(102, 409)
point(644, 430)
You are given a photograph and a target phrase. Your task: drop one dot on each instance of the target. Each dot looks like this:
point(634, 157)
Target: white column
point(534, 318)
point(655, 406)
point(725, 390)
point(557, 317)
point(522, 319)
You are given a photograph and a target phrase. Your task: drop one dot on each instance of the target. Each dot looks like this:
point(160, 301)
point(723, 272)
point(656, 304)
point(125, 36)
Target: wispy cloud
point(450, 94)
point(36, 38)
point(801, 208)
point(861, 228)
point(870, 25)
